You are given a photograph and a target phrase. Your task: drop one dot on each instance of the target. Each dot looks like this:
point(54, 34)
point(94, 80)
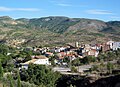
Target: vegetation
point(72, 80)
point(73, 69)
point(56, 30)
point(11, 80)
point(18, 79)
point(76, 62)
point(109, 67)
point(43, 76)
point(1, 71)
point(40, 74)
point(85, 60)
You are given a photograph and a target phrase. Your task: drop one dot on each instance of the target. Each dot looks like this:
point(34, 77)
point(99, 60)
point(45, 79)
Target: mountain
point(57, 30)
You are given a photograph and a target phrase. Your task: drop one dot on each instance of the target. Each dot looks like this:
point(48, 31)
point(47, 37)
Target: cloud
point(99, 12)
point(69, 5)
point(18, 9)
point(64, 5)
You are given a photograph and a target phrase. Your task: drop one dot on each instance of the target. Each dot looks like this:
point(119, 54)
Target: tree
point(18, 79)
point(3, 49)
point(3, 85)
point(94, 68)
point(40, 74)
point(88, 59)
point(1, 70)
point(110, 67)
point(76, 62)
point(101, 67)
point(27, 58)
point(52, 59)
point(102, 57)
point(111, 55)
point(73, 69)
point(11, 80)
point(66, 59)
point(4, 60)
point(117, 52)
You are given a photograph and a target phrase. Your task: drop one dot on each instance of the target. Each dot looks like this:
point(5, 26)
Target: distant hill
point(57, 30)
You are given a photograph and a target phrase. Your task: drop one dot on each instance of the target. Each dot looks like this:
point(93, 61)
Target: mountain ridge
point(58, 29)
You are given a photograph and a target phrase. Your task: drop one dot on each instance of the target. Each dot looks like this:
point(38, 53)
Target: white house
point(116, 45)
point(40, 60)
point(111, 44)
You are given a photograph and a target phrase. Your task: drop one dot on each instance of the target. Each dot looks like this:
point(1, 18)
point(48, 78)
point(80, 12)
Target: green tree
point(18, 79)
point(11, 80)
point(73, 69)
point(27, 58)
point(3, 49)
point(40, 74)
point(102, 57)
point(5, 60)
point(1, 70)
point(117, 52)
point(94, 68)
point(88, 59)
point(76, 62)
point(111, 56)
point(109, 67)
point(52, 60)
point(66, 59)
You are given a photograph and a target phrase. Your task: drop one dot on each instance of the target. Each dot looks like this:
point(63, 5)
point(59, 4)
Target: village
point(89, 61)
point(61, 57)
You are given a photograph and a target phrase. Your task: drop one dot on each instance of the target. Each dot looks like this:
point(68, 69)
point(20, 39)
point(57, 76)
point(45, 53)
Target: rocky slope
point(113, 81)
point(77, 81)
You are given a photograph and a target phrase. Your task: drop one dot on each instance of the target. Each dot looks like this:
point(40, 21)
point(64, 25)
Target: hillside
point(56, 30)
point(112, 81)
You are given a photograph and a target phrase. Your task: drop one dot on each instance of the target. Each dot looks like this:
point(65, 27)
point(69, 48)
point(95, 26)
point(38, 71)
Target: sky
point(106, 10)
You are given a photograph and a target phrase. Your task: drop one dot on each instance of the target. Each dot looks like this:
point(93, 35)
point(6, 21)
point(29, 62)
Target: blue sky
point(107, 10)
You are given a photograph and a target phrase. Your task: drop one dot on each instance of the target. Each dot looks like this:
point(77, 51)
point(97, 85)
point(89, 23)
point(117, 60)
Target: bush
point(73, 69)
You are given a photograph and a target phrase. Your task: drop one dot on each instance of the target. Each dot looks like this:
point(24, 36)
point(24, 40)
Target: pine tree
point(1, 70)
point(18, 79)
point(11, 80)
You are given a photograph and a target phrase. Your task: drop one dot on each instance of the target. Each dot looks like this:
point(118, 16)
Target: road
point(64, 70)
point(87, 67)
point(82, 68)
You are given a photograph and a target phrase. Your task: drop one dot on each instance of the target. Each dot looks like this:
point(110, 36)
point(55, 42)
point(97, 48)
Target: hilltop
point(56, 30)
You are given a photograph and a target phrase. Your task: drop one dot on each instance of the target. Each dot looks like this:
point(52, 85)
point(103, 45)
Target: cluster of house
point(95, 49)
point(71, 51)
